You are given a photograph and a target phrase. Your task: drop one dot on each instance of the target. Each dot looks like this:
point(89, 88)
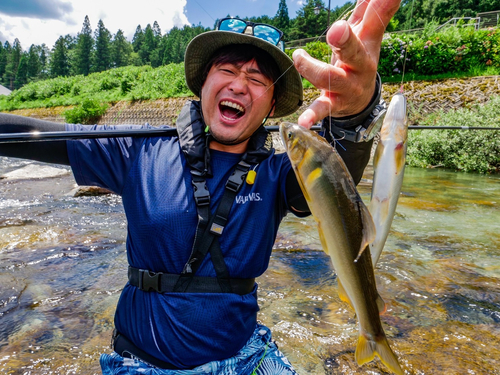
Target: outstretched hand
point(347, 83)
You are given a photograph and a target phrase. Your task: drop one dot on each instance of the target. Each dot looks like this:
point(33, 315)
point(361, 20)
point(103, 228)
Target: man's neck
point(239, 148)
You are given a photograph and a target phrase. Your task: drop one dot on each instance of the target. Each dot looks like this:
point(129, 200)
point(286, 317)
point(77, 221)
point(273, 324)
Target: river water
point(63, 264)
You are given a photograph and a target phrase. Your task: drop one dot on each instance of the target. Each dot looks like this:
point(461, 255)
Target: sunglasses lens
point(267, 33)
point(238, 26)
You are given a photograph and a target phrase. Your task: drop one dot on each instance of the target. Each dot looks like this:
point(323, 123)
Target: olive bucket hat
point(201, 49)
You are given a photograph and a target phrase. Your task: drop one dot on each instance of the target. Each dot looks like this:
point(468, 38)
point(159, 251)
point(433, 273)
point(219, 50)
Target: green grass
point(127, 83)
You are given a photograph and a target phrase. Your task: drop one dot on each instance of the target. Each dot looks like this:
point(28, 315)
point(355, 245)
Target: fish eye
point(290, 134)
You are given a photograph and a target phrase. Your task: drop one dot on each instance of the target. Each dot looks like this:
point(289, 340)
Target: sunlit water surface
point(63, 264)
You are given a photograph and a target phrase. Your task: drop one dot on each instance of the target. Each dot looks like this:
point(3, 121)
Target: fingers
point(347, 47)
point(350, 61)
point(358, 12)
point(348, 82)
point(321, 75)
point(373, 16)
point(317, 111)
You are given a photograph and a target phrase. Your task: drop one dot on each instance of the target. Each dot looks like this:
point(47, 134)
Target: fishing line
point(406, 50)
point(204, 10)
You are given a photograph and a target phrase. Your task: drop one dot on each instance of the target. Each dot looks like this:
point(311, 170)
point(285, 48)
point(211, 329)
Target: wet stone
point(89, 191)
point(34, 171)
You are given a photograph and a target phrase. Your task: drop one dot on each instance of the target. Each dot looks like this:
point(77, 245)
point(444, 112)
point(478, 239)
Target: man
point(193, 247)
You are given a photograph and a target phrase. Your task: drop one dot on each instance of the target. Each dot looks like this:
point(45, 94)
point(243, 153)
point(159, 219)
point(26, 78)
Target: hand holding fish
point(348, 82)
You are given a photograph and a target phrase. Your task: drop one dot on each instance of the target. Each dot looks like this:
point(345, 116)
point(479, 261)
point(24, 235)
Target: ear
point(272, 108)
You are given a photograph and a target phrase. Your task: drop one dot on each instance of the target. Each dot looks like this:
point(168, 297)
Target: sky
point(43, 21)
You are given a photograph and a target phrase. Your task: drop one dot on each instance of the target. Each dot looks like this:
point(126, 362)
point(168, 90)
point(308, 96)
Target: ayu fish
point(345, 229)
point(388, 165)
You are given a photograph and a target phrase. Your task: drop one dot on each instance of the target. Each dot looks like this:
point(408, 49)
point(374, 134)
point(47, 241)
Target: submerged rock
point(89, 191)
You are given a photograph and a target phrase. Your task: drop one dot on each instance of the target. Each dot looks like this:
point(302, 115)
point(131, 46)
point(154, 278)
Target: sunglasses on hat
point(260, 30)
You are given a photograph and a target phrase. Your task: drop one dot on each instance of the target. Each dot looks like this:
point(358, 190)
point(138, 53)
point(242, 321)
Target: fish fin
point(382, 307)
point(342, 294)
point(369, 230)
point(367, 349)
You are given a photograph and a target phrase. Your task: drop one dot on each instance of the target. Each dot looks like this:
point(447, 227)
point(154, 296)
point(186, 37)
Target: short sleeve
point(103, 162)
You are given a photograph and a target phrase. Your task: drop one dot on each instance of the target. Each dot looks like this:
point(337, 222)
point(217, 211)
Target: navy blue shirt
point(151, 175)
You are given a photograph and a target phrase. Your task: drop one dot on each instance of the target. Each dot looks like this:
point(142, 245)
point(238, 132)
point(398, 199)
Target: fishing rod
point(422, 127)
point(92, 134)
point(160, 132)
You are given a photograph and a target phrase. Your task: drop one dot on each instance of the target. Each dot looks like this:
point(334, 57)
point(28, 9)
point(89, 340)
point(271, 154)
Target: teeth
point(233, 105)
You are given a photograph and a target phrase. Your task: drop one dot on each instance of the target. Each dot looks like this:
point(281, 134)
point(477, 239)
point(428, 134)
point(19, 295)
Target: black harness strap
point(208, 241)
point(164, 282)
point(126, 348)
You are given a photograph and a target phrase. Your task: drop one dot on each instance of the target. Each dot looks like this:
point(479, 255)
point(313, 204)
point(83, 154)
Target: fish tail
point(368, 349)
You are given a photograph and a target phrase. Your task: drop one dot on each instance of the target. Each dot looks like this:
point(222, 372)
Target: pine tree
point(33, 66)
point(308, 24)
point(83, 55)
point(44, 53)
point(6, 55)
point(282, 19)
point(148, 45)
point(13, 59)
point(102, 53)
point(59, 65)
point(120, 50)
point(156, 30)
point(22, 72)
point(138, 39)
point(3, 61)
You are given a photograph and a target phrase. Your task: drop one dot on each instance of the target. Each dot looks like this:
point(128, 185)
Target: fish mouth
point(230, 110)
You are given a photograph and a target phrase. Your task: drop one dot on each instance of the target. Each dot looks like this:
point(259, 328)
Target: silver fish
point(389, 165)
point(345, 229)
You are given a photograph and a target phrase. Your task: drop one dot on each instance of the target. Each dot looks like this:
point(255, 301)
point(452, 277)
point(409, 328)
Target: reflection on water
point(62, 266)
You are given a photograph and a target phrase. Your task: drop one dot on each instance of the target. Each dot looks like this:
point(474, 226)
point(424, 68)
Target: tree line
point(414, 14)
point(91, 52)
point(99, 50)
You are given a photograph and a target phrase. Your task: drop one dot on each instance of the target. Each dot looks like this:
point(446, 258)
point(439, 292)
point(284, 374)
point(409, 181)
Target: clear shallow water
point(63, 262)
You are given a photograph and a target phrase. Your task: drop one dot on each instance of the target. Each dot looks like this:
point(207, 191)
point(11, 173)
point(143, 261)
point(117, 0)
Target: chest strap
point(165, 282)
point(210, 227)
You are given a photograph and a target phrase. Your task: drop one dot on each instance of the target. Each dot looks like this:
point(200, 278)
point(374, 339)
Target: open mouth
point(230, 110)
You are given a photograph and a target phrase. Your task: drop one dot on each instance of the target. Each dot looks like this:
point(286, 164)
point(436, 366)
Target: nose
point(239, 85)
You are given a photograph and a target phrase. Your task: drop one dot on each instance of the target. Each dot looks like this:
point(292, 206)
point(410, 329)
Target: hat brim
point(201, 49)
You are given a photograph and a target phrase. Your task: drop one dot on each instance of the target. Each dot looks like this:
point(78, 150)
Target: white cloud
point(125, 15)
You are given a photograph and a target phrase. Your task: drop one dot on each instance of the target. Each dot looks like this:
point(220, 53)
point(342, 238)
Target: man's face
point(235, 101)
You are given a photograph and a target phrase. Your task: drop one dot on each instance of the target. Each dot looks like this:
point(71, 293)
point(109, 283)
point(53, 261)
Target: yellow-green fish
point(345, 229)
point(388, 165)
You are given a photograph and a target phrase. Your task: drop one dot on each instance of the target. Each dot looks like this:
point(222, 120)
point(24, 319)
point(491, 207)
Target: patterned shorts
point(260, 356)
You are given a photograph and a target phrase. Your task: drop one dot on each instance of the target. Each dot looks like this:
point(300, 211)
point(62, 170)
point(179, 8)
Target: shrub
point(462, 150)
point(87, 113)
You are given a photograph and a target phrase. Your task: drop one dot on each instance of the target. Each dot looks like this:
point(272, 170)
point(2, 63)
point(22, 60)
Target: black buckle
point(149, 281)
point(201, 193)
point(236, 180)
